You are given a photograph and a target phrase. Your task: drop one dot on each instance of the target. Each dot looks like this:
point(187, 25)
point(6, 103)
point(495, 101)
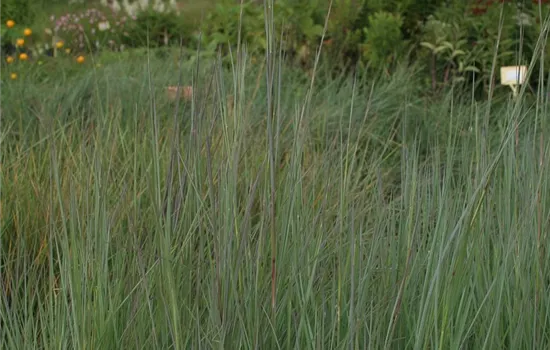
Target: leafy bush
point(15, 39)
point(449, 54)
point(533, 22)
point(383, 39)
point(222, 26)
point(411, 11)
point(20, 11)
point(350, 19)
point(162, 28)
point(91, 29)
point(301, 21)
point(465, 38)
point(490, 35)
point(454, 40)
point(133, 8)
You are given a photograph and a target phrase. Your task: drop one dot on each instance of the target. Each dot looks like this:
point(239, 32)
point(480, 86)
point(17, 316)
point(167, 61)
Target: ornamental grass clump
point(329, 213)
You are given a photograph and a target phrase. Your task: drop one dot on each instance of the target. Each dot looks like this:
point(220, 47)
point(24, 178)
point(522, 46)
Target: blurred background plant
point(133, 8)
point(221, 27)
point(90, 30)
point(454, 42)
point(383, 39)
point(448, 54)
point(20, 11)
point(156, 29)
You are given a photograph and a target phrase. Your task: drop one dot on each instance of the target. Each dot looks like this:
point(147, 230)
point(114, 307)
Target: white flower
point(158, 6)
point(524, 19)
point(131, 9)
point(103, 26)
point(143, 4)
point(114, 5)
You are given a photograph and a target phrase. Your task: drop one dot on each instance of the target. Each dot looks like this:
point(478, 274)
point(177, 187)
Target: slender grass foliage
point(270, 211)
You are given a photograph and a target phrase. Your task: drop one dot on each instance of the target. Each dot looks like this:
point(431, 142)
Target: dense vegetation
point(454, 42)
point(285, 203)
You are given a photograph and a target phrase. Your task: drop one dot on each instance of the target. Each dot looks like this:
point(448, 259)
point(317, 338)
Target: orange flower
point(9, 59)
point(10, 23)
point(23, 56)
point(20, 42)
point(13, 76)
point(80, 59)
point(27, 32)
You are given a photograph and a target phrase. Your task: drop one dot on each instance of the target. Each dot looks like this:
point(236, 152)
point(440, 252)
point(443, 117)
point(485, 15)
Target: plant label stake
point(513, 76)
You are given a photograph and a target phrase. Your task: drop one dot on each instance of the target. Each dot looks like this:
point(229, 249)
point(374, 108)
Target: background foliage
point(372, 210)
point(453, 40)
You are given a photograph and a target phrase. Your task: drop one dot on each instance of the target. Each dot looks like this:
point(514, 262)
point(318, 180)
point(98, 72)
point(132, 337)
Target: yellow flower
point(13, 76)
point(23, 56)
point(27, 32)
point(9, 59)
point(59, 44)
point(67, 50)
point(10, 23)
point(20, 42)
point(80, 59)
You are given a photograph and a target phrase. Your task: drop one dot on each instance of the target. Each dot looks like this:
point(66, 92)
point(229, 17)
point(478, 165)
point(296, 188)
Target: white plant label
point(513, 75)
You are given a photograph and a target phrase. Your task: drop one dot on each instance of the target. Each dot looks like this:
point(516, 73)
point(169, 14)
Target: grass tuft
point(270, 211)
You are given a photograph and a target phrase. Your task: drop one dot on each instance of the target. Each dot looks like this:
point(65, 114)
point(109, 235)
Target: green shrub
point(461, 38)
point(302, 23)
point(448, 52)
point(384, 39)
point(163, 28)
point(350, 19)
point(222, 24)
point(534, 22)
point(91, 29)
point(20, 11)
point(411, 11)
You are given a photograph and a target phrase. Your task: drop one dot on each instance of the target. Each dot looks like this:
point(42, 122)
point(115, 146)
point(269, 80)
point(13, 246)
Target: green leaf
point(440, 49)
point(457, 53)
point(220, 38)
point(448, 45)
point(428, 45)
point(312, 31)
point(461, 42)
point(471, 69)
